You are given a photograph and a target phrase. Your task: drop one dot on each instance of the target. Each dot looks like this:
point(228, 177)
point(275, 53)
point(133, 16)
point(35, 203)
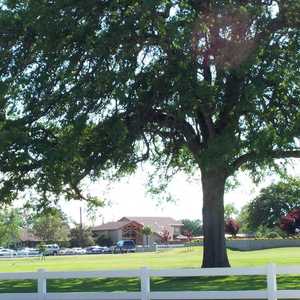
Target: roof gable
point(157, 224)
point(110, 226)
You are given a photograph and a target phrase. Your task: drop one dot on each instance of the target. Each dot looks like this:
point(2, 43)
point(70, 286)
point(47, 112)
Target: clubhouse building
point(130, 228)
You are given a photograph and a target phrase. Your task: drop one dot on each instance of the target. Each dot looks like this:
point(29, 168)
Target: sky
point(129, 198)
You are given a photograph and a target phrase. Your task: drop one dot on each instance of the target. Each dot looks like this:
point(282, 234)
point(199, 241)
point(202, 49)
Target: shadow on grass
point(18, 286)
point(224, 283)
point(221, 283)
point(94, 285)
point(288, 282)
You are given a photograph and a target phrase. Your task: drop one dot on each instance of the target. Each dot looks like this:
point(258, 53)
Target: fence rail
point(145, 293)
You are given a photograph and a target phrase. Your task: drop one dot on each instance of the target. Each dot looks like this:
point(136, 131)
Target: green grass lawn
point(177, 258)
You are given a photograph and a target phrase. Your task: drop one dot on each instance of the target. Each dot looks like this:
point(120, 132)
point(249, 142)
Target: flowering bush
point(165, 236)
point(290, 223)
point(232, 227)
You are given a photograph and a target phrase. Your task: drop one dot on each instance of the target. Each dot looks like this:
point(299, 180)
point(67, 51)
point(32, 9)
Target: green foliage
point(269, 233)
point(88, 89)
point(51, 226)
point(193, 226)
point(243, 219)
point(230, 211)
point(104, 241)
point(81, 237)
point(147, 231)
point(273, 202)
point(10, 226)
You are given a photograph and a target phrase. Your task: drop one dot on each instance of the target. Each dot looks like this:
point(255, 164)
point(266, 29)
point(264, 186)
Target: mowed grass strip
point(175, 258)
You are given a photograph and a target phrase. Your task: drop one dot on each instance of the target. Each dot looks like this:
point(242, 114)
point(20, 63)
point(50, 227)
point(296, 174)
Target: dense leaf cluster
point(91, 86)
point(272, 203)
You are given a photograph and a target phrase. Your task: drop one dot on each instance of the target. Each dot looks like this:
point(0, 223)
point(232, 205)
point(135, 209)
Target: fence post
point(42, 284)
point(272, 282)
point(145, 284)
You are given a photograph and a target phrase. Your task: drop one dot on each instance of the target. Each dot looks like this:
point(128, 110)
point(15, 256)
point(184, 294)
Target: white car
point(7, 252)
point(77, 250)
point(64, 251)
point(52, 249)
point(28, 252)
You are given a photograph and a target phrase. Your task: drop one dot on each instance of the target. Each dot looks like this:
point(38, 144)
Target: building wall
point(115, 235)
point(176, 230)
point(153, 238)
point(246, 245)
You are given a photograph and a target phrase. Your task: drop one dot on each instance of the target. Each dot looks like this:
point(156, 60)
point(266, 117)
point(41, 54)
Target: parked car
point(106, 250)
point(28, 252)
point(125, 246)
point(7, 252)
point(78, 250)
point(52, 249)
point(64, 251)
point(94, 250)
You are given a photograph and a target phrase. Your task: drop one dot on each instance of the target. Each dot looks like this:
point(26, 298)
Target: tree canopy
point(51, 226)
point(230, 211)
point(193, 226)
point(10, 226)
point(90, 87)
point(81, 237)
point(272, 203)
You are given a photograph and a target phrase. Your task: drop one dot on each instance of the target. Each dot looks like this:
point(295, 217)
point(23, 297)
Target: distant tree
point(165, 236)
point(10, 226)
point(81, 237)
point(230, 211)
point(193, 226)
point(290, 223)
point(232, 227)
point(274, 201)
point(51, 226)
point(103, 240)
point(147, 231)
point(243, 219)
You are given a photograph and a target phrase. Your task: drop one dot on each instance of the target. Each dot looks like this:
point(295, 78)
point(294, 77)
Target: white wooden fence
point(270, 271)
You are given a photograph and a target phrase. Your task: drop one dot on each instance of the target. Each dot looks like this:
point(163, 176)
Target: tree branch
point(253, 156)
point(170, 121)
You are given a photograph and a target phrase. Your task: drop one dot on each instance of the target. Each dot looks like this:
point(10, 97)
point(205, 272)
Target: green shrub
point(273, 235)
point(269, 233)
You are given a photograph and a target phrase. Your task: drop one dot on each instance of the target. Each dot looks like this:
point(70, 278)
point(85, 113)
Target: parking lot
point(127, 246)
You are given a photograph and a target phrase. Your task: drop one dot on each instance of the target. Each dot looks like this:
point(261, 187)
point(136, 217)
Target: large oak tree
point(97, 86)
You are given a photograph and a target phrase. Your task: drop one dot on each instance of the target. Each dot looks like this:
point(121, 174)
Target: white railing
point(145, 293)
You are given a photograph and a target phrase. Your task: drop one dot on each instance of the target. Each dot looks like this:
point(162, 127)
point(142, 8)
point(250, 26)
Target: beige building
point(130, 228)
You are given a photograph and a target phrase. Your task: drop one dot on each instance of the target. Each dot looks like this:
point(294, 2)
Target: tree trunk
point(215, 254)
